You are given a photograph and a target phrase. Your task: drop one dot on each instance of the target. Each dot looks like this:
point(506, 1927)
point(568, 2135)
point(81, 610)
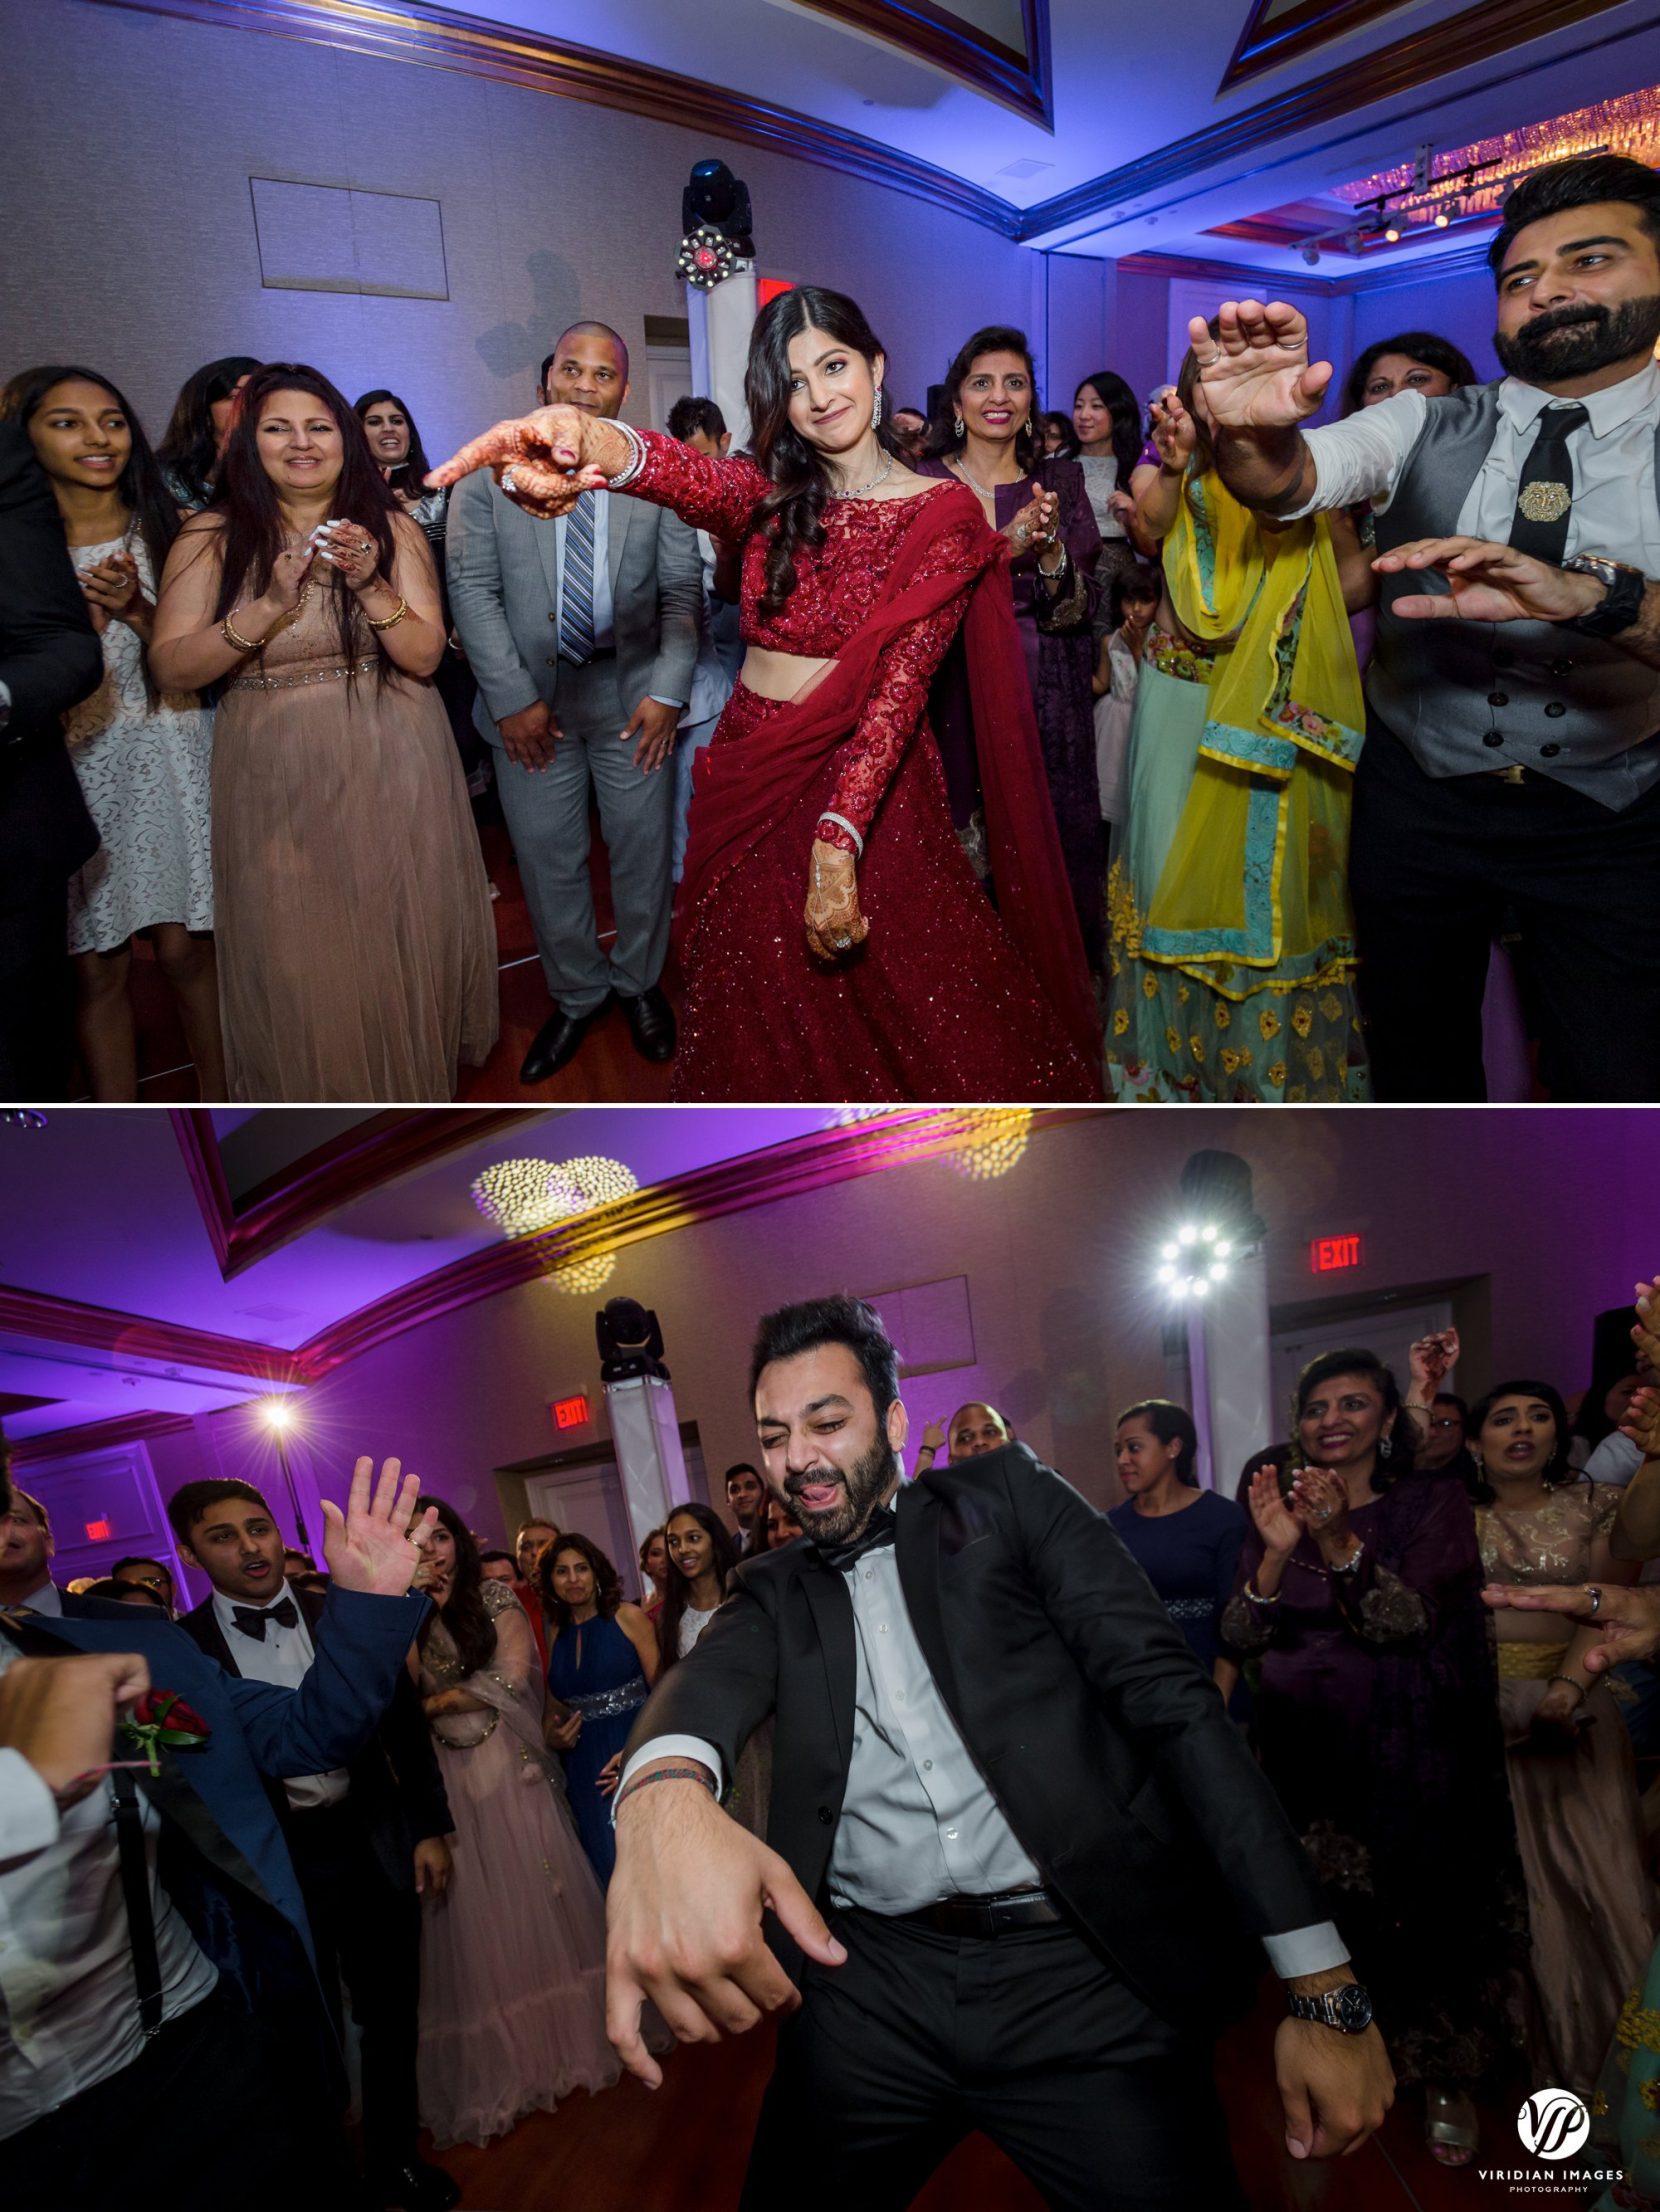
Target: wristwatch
point(1622, 602)
point(1347, 2009)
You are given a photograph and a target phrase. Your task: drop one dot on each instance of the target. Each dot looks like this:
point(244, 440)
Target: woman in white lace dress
point(142, 756)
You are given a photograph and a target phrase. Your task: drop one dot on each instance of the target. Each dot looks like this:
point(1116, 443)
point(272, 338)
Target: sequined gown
point(938, 1003)
point(513, 1954)
point(1590, 1899)
point(357, 955)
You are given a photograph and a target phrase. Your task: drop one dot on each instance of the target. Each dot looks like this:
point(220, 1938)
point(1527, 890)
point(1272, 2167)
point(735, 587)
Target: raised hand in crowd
point(1280, 1520)
point(1323, 1502)
point(1431, 1360)
point(61, 1714)
point(1256, 371)
point(543, 461)
point(376, 1545)
point(684, 1919)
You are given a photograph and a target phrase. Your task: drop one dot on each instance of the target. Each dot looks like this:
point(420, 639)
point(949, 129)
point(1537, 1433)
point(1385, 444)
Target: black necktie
point(251, 1619)
point(1545, 492)
point(879, 1530)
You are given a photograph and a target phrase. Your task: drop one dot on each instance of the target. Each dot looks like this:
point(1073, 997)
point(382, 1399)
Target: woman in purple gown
point(984, 437)
point(1359, 1588)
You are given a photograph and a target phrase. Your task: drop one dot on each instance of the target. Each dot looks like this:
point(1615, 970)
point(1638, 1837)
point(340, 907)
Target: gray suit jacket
point(504, 583)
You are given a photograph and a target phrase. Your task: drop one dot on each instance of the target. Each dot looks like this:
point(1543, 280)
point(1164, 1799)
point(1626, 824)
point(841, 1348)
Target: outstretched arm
point(546, 460)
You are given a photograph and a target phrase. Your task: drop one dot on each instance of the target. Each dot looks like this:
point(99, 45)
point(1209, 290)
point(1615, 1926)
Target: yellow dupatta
point(1257, 875)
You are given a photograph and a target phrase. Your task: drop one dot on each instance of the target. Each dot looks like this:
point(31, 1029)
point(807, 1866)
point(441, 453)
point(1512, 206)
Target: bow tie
point(251, 1619)
point(879, 1530)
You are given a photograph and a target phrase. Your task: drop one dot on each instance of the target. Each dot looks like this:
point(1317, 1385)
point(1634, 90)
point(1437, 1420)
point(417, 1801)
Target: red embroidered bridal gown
point(940, 1002)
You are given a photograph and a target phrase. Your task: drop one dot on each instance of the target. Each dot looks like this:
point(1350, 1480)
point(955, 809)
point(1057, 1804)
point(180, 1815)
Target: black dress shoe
point(651, 1025)
point(556, 1044)
point(418, 2187)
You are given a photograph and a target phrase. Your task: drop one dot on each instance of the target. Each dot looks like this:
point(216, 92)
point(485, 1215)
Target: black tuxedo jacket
point(1101, 1736)
point(396, 1788)
point(49, 658)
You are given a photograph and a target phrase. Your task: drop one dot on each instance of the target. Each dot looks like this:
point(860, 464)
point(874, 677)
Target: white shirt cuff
point(674, 1747)
point(1306, 1951)
point(28, 1810)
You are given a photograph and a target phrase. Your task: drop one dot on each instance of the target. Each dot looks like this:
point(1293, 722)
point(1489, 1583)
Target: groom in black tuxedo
point(1016, 1850)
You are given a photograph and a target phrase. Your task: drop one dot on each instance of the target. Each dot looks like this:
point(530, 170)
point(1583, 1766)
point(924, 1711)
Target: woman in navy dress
point(602, 1663)
point(1185, 1540)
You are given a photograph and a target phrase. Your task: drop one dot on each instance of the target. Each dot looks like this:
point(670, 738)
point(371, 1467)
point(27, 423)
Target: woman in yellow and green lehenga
point(1231, 950)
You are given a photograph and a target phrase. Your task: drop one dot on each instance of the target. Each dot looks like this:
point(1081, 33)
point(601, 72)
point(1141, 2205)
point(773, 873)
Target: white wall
point(129, 243)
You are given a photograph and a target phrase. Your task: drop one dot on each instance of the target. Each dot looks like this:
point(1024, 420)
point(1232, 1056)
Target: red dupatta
point(744, 791)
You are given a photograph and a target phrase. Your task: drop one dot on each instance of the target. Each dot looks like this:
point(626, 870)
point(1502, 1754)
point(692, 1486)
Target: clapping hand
point(289, 572)
point(114, 592)
point(1256, 370)
point(375, 1546)
point(834, 923)
point(544, 461)
point(1035, 522)
point(1280, 1521)
point(350, 550)
point(1324, 1504)
point(1432, 1359)
point(1641, 1421)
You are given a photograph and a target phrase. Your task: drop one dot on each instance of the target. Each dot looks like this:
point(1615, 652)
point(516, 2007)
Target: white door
point(1386, 1330)
point(668, 378)
point(588, 1499)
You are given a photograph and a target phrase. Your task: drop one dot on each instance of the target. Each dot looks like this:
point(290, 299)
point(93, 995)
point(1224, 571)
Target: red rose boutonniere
point(161, 1719)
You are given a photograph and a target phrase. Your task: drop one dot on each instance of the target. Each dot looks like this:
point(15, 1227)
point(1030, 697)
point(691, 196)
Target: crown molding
point(327, 1178)
point(445, 38)
point(935, 35)
point(43, 1318)
point(1436, 49)
point(96, 1436)
point(1378, 276)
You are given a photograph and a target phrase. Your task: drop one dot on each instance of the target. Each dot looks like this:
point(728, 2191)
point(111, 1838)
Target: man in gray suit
point(582, 634)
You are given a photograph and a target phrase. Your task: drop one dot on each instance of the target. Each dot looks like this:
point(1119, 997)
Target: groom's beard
point(1567, 342)
point(862, 1485)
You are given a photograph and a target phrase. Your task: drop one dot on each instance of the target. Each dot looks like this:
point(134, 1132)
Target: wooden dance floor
point(683, 2147)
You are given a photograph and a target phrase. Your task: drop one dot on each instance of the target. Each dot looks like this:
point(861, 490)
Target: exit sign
point(1328, 1254)
point(571, 1413)
point(98, 1532)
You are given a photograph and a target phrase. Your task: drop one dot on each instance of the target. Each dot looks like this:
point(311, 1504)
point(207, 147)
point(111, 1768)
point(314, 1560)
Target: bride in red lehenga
point(836, 943)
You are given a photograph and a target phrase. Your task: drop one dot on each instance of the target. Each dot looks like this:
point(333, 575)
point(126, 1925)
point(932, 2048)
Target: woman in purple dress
point(985, 436)
point(1360, 1590)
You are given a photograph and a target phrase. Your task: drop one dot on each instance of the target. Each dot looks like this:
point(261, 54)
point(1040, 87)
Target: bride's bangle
point(637, 458)
point(842, 823)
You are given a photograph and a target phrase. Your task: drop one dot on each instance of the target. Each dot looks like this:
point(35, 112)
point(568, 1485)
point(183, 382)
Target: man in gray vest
point(1512, 756)
point(582, 634)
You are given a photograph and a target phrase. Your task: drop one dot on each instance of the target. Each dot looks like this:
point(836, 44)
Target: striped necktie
point(576, 584)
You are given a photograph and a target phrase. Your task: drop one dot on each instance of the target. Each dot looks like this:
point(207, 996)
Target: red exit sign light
point(1328, 1254)
point(571, 1413)
point(97, 1532)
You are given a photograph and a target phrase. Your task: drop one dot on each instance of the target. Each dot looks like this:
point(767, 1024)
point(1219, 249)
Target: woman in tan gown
point(356, 946)
point(1572, 1782)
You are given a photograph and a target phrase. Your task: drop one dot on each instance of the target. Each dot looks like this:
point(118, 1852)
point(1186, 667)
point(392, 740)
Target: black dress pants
point(37, 996)
point(200, 2117)
point(367, 1932)
point(1435, 863)
point(1027, 2036)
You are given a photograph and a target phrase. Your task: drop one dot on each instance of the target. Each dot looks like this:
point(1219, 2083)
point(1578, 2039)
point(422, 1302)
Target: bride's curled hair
point(792, 514)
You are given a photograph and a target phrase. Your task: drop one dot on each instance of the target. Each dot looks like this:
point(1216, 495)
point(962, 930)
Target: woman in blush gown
point(513, 1954)
point(822, 788)
point(601, 1664)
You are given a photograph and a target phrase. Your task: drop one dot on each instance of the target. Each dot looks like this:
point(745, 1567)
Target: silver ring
point(1211, 363)
point(507, 480)
point(1595, 1596)
point(844, 944)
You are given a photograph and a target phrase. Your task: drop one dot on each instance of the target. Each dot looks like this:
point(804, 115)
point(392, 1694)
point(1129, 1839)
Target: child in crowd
point(1135, 600)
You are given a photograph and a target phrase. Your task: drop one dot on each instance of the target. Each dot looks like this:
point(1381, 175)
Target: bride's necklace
point(859, 491)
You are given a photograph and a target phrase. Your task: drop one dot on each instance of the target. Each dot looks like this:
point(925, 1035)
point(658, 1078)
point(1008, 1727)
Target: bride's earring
point(876, 410)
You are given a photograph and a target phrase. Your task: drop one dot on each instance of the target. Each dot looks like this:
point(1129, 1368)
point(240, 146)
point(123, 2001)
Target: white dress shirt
point(282, 1656)
point(69, 2014)
point(918, 1821)
point(1614, 511)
